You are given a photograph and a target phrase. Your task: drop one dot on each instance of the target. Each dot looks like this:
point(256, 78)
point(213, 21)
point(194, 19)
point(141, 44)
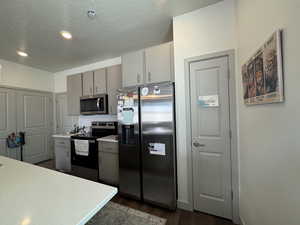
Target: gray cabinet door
point(74, 92)
point(7, 121)
point(100, 81)
point(62, 154)
point(114, 82)
point(35, 118)
point(109, 162)
point(64, 122)
point(88, 83)
point(159, 63)
point(133, 68)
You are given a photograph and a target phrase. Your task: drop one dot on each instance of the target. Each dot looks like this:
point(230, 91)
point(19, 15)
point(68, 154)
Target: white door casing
point(212, 189)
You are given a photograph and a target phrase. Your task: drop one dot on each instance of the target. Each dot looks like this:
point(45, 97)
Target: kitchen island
point(31, 195)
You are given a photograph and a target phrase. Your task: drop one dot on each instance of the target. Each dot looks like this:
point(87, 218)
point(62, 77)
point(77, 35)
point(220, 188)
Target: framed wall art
point(262, 74)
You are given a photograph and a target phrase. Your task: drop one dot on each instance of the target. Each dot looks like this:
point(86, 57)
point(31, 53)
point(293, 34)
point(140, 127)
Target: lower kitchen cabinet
point(62, 148)
point(109, 162)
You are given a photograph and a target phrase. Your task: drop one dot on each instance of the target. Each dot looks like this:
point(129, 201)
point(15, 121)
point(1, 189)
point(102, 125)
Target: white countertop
point(31, 195)
point(111, 138)
point(62, 135)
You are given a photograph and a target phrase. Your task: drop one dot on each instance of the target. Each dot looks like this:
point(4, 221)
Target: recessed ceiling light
point(66, 34)
point(23, 54)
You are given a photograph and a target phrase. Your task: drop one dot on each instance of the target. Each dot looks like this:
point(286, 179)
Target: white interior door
point(211, 137)
point(35, 118)
point(8, 123)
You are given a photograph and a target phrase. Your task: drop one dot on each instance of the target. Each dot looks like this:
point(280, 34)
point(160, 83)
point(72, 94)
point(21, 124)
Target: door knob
point(196, 144)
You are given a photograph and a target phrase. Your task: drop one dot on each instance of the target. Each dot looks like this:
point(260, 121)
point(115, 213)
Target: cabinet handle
point(149, 77)
point(110, 110)
point(138, 78)
point(96, 89)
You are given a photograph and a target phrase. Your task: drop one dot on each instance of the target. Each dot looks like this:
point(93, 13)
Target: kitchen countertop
point(33, 195)
point(62, 135)
point(110, 138)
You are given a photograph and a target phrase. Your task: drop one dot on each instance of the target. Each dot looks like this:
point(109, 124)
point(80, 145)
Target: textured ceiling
point(120, 26)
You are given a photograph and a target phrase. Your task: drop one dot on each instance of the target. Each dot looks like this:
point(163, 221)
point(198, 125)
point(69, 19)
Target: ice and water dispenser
point(126, 117)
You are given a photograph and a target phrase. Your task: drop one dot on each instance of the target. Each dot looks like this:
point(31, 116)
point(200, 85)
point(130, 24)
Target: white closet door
point(7, 121)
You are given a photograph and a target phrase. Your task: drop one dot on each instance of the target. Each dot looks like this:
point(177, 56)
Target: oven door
point(97, 104)
point(90, 161)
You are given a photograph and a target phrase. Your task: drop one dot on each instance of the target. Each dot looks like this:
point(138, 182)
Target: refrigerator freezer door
point(129, 144)
point(158, 145)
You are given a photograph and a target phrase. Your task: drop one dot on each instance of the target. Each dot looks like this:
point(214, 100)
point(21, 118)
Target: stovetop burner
point(98, 130)
point(84, 136)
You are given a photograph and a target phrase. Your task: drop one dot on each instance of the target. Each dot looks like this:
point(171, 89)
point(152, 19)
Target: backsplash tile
point(87, 120)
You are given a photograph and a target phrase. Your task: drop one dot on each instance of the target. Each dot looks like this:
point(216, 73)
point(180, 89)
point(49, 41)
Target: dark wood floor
point(179, 217)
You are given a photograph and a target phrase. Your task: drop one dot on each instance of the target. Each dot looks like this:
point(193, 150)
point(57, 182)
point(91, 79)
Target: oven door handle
point(98, 103)
point(90, 141)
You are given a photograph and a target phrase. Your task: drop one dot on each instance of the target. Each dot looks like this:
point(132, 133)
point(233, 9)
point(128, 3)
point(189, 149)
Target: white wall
point(60, 83)
point(269, 134)
point(17, 75)
point(207, 30)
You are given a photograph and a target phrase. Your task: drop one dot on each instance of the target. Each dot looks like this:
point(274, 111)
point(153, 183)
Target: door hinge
point(230, 134)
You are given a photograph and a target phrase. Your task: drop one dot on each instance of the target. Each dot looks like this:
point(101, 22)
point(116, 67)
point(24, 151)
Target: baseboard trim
point(184, 205)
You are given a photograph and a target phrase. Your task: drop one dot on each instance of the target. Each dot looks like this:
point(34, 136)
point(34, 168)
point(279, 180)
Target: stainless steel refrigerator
point(147, 149)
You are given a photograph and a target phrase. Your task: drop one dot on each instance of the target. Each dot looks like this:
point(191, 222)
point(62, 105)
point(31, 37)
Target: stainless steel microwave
point(97, 104)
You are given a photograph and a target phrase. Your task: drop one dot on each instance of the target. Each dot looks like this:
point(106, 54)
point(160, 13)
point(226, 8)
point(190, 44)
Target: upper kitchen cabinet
point(74, 92)
point(114, 82)
point(88, 83)
point(100, 81)
point(159, 63)
point(94, 83)
point(133, 68)
point(152, 65)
